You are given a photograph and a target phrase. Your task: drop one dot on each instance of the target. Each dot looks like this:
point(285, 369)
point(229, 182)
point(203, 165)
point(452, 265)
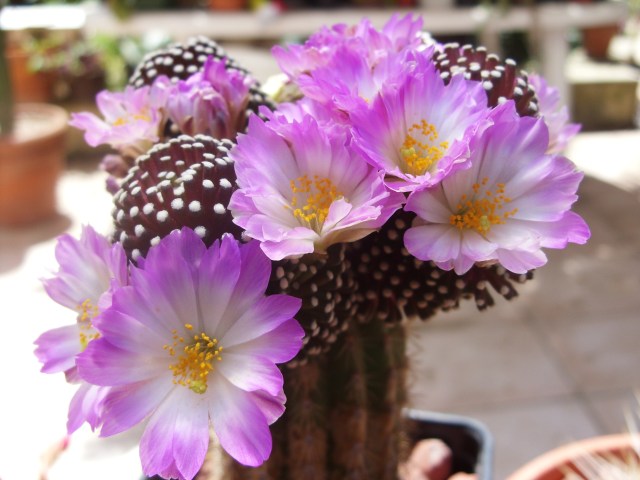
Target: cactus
point(347, 389)
point(343, 417)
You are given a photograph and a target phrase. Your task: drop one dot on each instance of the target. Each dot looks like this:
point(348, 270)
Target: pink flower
point(211, 102)
point(132, 120)
point(193, 342)
point(418, 131)
point(396, 35)
point(302, 188)
point(90, 268)
point(555, 115)
point(512, 201)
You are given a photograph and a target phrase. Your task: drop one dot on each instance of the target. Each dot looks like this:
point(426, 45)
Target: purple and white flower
point(555, 115)
point(512, 201)
point(399, 33)
point(193, 342)
point(132, 120)
point(90, 268)
point(302, 188)
point(418, 131)
point(211, 102)
point(349, 80)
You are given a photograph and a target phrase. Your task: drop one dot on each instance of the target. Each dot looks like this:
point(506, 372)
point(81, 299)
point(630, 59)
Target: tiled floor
point(558, 363)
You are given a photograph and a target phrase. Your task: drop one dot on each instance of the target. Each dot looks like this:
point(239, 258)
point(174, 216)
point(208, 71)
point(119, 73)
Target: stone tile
point(598, 353)
point(602, 281)
point(588, 151)
point(524, 430)
point(471, 364)
point(602, 276)
point(606, 209)
point(613, 410)
point(514, 310)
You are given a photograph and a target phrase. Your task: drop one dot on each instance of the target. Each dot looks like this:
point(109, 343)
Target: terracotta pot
point(554, 464)
point(27, 85)
point(596, 40)
point(31, 160)
point(227, 5)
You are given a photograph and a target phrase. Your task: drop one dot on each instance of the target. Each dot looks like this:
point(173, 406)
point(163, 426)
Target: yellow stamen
point(87, 313)
point(137, 116)
point(312, 199)
point(195, 361)
point(483, 211)
point(422, 153)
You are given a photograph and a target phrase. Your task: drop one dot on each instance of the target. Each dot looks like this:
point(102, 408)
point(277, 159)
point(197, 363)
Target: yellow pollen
point(125, 120)
point(312, 199)
point(194, 361)
point(484, 210)
point(87, 313)
point(422, 153)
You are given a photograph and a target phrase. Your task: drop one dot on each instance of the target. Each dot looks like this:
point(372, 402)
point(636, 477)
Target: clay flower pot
point(31, 160)
point(555, 464)
point(28, 85)
point(596, 40)
point(227, 5)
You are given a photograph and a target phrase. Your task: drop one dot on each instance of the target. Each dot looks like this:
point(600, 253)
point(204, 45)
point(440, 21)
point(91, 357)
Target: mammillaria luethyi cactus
point(266, 253)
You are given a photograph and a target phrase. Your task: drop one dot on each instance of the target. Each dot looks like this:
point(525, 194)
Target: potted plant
point(615, 457)
point(606, 457)
point(32, 152)
point(265, 253)
point(74, 63)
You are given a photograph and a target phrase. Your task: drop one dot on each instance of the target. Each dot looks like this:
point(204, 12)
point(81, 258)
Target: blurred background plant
point(45, 64)
point(6, 97)
point(78, 67)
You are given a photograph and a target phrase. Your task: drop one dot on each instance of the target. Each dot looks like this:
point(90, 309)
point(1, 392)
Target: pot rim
point(547, 464)
point(55, 117)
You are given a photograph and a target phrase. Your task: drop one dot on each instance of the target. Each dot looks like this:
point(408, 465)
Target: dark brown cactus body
point(186, 182)
point(180, 60)
point(344, 413)
point(394, 286)
point(501, 80)
point(344, 406)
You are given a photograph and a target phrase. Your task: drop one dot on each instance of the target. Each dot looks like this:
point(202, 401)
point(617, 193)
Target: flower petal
point(217, 279)
point(264, 316)
point(279, 345)
point(176, 438)
point(250, 372)
point(127, 406)
point(102, 363)
point(240, 425)
point(57, 348)
point(436, 242)
point(271, 406)
point(86, 406)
